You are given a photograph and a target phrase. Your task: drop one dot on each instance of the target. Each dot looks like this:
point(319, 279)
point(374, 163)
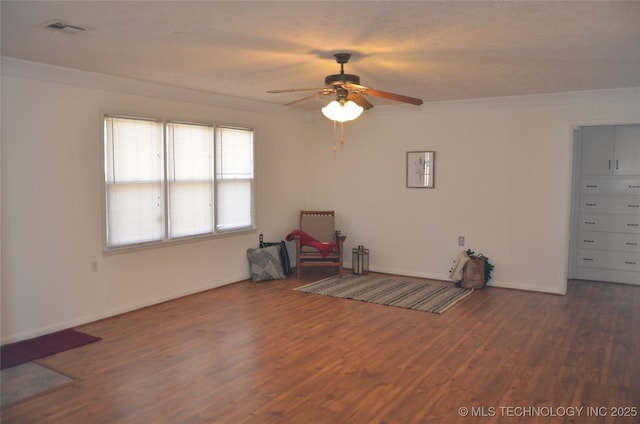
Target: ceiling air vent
point(60, 26)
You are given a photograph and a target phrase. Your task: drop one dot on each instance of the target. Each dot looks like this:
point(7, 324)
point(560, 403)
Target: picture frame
point(421, 169)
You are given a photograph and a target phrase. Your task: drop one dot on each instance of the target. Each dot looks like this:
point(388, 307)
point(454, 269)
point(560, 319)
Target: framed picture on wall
point(421, 169)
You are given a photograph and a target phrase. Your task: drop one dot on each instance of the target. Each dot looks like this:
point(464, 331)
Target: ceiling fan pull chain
point(335, 137)
point(341, 132)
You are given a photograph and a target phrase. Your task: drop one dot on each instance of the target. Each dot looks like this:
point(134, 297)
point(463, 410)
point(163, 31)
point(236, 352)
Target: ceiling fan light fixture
point(342, 112)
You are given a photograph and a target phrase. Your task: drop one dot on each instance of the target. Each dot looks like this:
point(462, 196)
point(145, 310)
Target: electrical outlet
point(460, 240)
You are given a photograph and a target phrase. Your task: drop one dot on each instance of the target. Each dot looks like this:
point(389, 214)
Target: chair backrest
point(319, 224)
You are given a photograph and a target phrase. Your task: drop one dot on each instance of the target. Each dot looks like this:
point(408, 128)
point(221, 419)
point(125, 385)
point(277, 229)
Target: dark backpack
point(284, 254)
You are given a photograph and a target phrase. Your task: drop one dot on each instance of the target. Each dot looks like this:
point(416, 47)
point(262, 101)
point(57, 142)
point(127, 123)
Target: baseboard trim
point(445, 277)
point(114, 312)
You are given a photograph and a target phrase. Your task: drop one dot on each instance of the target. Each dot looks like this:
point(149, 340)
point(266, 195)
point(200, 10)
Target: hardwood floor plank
point(264, 353)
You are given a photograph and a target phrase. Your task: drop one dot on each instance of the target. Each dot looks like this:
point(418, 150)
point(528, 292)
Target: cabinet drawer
point(610, 186)
point(609, 241)
point(610, 204)
point(609, 222)
point(609, 260)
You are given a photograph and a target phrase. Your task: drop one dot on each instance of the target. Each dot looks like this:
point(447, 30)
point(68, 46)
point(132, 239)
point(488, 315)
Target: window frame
point(165, 239)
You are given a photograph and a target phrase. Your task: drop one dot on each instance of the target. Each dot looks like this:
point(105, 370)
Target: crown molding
point(61, 75)
point(57, 74)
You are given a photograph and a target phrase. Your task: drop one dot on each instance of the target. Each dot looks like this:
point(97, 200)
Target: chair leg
point(340, 241)
point(298, 266)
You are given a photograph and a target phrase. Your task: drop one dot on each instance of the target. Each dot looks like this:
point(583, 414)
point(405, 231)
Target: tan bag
point(473, 277)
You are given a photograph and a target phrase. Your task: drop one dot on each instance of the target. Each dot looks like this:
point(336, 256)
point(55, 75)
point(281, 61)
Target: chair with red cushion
point(318, 226)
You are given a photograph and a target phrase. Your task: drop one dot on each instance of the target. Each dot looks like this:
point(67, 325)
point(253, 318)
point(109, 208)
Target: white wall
point(503, 180)
point(51, 204)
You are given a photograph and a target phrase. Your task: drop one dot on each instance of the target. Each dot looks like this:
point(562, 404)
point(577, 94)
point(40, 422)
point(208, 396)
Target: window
point(134, 180)
point(190, 179)
point(169, 180)
point(234, 177)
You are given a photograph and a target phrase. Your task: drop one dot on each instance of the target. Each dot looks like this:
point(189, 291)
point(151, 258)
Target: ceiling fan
point(347, 87)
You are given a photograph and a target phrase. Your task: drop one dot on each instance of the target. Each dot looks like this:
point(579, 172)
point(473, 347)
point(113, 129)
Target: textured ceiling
point(440, 50)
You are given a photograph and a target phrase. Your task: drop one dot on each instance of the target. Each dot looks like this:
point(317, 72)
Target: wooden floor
point(264, 353)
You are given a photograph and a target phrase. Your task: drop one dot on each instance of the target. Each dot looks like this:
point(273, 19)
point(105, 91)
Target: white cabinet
point(597, 150)
point(600, 240)
point(609, 222)
point(606, 259)
point(610, 185)
point(611, 150)
point(609, 204)
point(607, 232)
point(627, 150)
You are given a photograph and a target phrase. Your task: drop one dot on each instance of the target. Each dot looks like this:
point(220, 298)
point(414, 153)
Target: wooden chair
point(321, 226)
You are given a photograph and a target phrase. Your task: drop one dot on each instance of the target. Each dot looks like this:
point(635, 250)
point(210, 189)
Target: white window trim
point(166, 242)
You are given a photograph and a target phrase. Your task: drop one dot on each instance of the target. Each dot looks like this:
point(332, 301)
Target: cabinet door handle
point(589, 241)
point(592, 223)
point(630, 262)
point(588, 259)
point(634, 185)
point(616, 164)
point(634, 206)
point(631, 243)
point(632, 225)
point(591, 204)
point(609, 167)
point(592, 185)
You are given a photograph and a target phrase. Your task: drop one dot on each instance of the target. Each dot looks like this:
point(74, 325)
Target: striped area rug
point(421, 296)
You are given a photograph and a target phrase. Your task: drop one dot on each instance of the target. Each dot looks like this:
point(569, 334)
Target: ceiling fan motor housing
point(339, 79)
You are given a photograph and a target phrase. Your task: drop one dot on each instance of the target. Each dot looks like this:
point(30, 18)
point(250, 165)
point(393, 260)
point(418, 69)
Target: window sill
point(108, 251)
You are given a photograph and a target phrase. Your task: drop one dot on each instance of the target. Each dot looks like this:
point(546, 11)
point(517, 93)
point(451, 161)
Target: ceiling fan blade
point(384, 94)
point(304, 99)
point(291, 90)
point(393, 96)
point(359, 100)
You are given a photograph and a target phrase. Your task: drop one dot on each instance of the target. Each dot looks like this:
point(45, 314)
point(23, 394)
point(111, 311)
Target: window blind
point(234, 177)
point(190, 179)
point(134, 180)
point(166, 180)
